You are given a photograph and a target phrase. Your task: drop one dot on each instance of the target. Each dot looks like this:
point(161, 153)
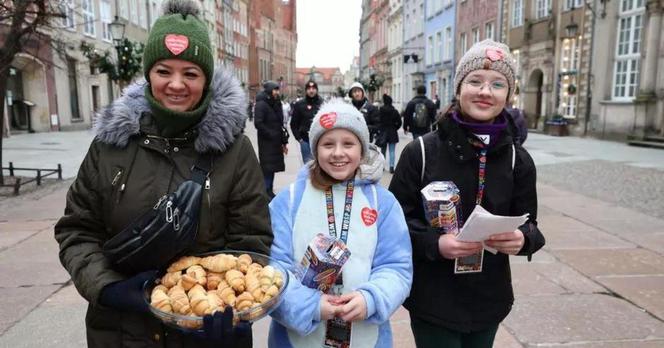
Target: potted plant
point(557, 125)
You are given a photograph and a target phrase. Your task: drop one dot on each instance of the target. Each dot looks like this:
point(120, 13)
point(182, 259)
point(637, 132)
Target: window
point(517, 13)
point(448, 43)
point(488, 31)
point(443, 93)
point(68, 11)
point(143, 14)
point(569, 76)
point(105, 14)
point(628, 50)
point(571, 4)
point(429, 58)
point(88, 9)
point(438, 52)
point(124, 9)
point(429, 9)
point(476, 35)
point(73, 88)
point(542, 8)
point(463, 43)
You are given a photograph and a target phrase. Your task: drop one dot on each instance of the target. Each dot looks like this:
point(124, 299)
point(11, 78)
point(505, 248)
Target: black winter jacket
point(410, 110)
point(476, 301)
point(390, 121)
point(303, 114)
point(269, 122)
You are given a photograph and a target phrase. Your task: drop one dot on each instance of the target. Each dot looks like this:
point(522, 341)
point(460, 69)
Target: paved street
point(599, 282)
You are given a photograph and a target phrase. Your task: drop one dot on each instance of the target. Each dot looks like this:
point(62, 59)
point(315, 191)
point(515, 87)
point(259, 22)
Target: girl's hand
point(355, 307)
point(328, 307)
point(284, 149)
point(509, 243)
point(450, 248)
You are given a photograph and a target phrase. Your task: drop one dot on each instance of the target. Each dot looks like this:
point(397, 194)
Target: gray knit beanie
point(490, 55)
point(338, 114)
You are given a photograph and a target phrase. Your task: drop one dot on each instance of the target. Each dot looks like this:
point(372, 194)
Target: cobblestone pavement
point(599, 281)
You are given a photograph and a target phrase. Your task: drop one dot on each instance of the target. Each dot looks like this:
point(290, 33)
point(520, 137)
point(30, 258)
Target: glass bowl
point(192, 322)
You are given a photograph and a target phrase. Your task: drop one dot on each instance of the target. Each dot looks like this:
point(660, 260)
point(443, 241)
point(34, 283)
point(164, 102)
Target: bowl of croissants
point(195, 286)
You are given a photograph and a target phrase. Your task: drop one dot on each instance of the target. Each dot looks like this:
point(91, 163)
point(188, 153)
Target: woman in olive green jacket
point(146, 143)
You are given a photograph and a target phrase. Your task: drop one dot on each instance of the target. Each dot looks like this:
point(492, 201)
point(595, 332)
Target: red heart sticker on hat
point(494, 54)
point(328, 120)
point(369, 216)
point(176, 43)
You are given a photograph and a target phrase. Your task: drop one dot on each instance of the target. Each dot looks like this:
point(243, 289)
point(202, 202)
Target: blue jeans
point(305, 149)
point(392, 148)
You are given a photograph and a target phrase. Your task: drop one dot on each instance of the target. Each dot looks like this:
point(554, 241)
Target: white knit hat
point(487, 54)
point(338, 114)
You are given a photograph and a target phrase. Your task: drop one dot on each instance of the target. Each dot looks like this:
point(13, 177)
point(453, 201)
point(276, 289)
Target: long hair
point(319, 178)
point(448, 110)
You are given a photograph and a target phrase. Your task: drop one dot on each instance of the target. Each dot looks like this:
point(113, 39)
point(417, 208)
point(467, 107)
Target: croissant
point(235, 279)
point(219, 263)
point(195, 275)
point(214, 301)
point(161, 301)
point(254, 268)
point(244, 301)
point(183, 263)
point(160, 287)
point(253, 286)
point(243, 262)
point(213, 280)
point(271, 292)
point(179, 300)
point(227, 294)
point(198, 300)
point(278, 279)
point(170, 279)
point(267, 277)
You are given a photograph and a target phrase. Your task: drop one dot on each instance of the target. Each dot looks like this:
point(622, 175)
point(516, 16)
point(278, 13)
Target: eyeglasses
point(494, 86)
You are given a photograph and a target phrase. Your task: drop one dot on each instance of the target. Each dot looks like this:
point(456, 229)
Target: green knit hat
point(179, 34)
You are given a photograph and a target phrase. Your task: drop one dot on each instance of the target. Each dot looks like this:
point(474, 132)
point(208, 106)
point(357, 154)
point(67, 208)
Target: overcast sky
point(328, 33)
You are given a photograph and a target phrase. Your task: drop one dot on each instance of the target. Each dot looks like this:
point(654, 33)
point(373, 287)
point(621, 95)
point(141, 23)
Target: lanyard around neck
point(345, 224)
point(481, 177)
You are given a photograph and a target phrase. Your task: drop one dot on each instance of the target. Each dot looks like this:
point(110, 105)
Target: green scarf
point(172, 123)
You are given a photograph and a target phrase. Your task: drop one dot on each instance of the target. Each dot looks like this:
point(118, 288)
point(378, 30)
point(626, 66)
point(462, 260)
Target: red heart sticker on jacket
point(494, 54)
point(176, 43)
point(369, 216)
point(328, 120)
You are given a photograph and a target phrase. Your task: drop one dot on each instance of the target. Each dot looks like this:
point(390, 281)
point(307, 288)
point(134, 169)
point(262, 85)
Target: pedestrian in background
point(272, 135)
point(304, 111)
point(474, 147)
point(334, 193)
point(250, 111)
point(146, 143)
point(390, 121)
point(360, 102)
point(420, 114)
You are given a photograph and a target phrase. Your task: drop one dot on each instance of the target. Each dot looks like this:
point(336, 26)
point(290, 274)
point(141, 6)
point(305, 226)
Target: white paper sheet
point(481, 224)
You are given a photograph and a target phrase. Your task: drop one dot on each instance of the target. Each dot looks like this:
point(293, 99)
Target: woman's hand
point(509, 243)
point(354, 306)
point(328, 307)
point(451, 248)
point(284, 149)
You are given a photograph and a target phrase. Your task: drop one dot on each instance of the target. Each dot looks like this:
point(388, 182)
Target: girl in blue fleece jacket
point(376, 278)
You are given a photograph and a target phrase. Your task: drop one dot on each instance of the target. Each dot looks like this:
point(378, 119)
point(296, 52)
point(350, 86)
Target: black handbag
point(162, 233)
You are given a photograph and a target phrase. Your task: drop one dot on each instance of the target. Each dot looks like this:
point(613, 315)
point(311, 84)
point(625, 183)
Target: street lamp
point(117, 29)
point(572, 28)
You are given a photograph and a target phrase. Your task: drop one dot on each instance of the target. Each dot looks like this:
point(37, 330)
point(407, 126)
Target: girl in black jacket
point(474, 148)
point(390, 121)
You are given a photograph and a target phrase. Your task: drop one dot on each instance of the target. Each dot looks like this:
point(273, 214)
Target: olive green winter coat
point(127, 168)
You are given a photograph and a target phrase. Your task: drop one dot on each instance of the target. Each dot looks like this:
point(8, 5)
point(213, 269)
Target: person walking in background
point(250, 111)
point(390, 121)
point(436, 102)
point(420, 114)
point(474, 147)
point(304, 111)
point(334, 193)
point(271, 134)
point(147, 143)
point(361, 103)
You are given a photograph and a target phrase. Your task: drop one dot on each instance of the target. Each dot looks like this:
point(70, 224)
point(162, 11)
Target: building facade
point(330, 80)
point(413, 47)
point(395, 53)
point(440, 17)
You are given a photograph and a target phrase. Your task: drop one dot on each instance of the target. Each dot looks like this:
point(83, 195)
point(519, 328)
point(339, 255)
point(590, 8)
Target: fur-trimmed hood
point(223, 121)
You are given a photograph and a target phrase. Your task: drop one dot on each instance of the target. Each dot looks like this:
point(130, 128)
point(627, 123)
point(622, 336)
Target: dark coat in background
point(410, 110)
point(269, 122)
point(390, 121)
point(304, 111)
point(127, 169)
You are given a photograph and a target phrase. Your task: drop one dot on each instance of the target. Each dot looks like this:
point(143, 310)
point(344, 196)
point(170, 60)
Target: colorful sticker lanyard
point(482, 171)
point(345, 224)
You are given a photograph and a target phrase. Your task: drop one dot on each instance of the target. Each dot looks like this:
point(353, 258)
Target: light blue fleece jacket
point(380, 265)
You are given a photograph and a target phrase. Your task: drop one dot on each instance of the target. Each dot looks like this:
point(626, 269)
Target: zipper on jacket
point(116, 178)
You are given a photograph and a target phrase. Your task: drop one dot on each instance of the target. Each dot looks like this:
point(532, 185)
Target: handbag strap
point(202, 168)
